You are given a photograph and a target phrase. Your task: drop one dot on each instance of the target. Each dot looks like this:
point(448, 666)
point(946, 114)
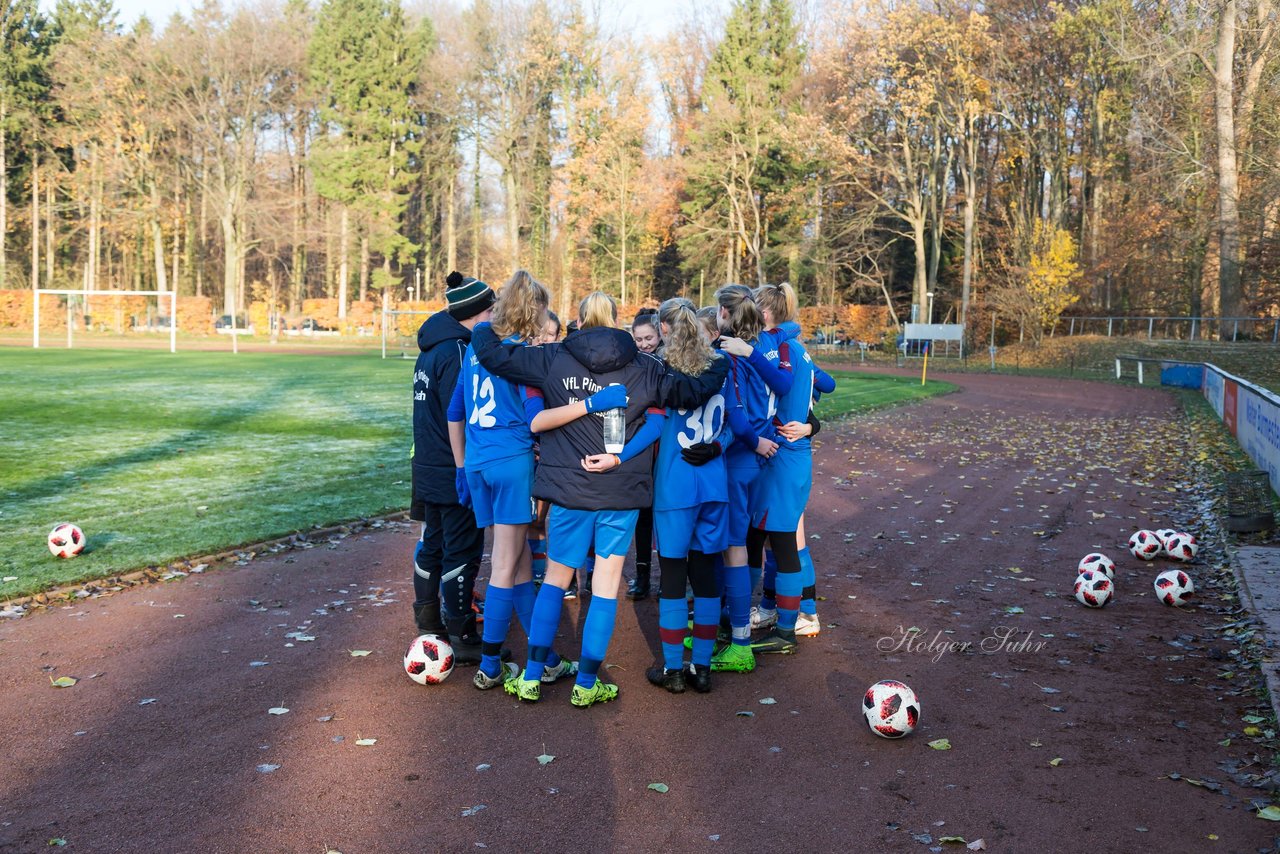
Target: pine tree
point(364, 62)
point(741, 167)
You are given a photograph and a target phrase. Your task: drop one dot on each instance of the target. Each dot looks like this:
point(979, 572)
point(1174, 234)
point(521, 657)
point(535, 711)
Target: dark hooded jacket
point(442, 341)
point(574, 370)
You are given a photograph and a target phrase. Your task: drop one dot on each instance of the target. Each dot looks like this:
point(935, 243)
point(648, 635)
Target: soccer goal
point(70, 293)
point(400, 331)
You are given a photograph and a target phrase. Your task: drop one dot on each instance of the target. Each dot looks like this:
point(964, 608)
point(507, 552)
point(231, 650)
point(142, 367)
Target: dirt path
point(963, 516)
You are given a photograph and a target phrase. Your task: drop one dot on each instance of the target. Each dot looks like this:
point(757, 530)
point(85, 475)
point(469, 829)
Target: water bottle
point(615, 429)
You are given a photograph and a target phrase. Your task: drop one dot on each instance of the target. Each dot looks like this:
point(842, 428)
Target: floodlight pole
point(173, 319)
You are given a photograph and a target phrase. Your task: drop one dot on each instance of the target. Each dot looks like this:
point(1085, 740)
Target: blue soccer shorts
point(780, 493)
point(501, 493)
point(739, 510)
point(571, 533)
point(704, 528)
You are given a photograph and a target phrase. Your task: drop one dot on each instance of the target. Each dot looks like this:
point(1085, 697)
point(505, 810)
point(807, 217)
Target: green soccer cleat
point(564, 668)
point(777, 642)
point(529, 690)
point(506, 672)
point(601, 692)
point(734, 658)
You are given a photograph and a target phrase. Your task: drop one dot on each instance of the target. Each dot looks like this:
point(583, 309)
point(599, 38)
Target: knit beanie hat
point(466, 297)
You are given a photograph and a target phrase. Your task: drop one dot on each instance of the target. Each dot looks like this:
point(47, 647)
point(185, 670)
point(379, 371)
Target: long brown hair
point(688, 349)
point(521, 307)
point(745, 319)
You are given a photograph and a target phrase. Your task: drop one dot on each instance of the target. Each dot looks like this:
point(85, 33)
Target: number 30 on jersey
point(702, 424)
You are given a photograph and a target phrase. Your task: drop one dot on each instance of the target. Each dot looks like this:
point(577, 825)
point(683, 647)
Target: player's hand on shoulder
point(735, 346)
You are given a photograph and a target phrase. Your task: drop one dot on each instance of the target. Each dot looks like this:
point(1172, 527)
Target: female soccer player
point(490, 429)
point(594, 495)
point(689, 509)
point(644, 329)
point(748, 406)
point(782, 489)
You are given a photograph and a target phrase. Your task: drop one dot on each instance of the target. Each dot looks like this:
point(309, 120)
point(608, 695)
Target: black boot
point(427, 618)
point(465, 640)
point(638, 588)
point(672, 680)
point(700, 676)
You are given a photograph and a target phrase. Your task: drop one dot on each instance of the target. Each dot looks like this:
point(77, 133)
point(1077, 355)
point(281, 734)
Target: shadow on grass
point(197, 437)
point(99, 541)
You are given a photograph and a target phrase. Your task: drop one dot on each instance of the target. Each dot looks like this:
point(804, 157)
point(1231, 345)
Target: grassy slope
point(159, 456)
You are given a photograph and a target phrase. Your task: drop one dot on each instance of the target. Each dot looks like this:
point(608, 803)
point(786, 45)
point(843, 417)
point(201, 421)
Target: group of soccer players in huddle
point(509, 435)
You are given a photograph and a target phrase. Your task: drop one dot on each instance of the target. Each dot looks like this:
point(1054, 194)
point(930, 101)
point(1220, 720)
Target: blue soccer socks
point(737, 594)
point(499, 606)
point(597, 631)
point(542, 628)
point(673, 624)
point(808, 583)
point(706, 618)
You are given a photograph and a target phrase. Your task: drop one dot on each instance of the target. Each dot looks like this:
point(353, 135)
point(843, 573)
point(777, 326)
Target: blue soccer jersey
point(745, 388)
point(790, 355)
point(678, 484)
point(497, 424)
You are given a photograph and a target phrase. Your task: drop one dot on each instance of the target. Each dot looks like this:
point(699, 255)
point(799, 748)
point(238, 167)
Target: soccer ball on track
point(66, 540)
point(429, 660)
point(891, 709)
point(1098, 562)
point(1180, 546)
point(1093, 588)
point(1174, 587)
point(1145, 545)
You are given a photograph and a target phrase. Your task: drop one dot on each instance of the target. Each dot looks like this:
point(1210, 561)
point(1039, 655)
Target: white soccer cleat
point(763, 618)
point(807, 625)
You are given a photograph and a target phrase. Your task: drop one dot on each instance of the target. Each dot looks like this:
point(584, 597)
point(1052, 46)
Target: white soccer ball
point(429, 660)
point(891, 709)
point(1164, 534)
point(1093, 588)
point(66, 540)
point(1174, 587)
point(1181, 546)
point(1098, 561)
point(1145, 545)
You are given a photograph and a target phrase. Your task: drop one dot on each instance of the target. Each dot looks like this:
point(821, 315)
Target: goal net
point(110, 309)
point(400, 332)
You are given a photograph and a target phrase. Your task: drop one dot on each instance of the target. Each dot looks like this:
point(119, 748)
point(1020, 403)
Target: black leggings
point(698, 570)
point(783, 543)
point(644, 539)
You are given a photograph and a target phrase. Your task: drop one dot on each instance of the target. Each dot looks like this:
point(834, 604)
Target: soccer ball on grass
point(891, 709)
point(66, 540)
point(429, 660)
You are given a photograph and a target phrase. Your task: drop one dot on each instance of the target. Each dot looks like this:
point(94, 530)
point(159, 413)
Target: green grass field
point(861, 392)
point(160, 456)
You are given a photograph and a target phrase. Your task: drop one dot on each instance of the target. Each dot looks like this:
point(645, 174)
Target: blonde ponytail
point(688, 349)
point(779, 300)
point(597, 309)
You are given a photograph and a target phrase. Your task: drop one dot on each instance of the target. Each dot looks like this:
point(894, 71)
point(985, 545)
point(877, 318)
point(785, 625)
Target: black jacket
point(442, 341)
point(576, 369)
